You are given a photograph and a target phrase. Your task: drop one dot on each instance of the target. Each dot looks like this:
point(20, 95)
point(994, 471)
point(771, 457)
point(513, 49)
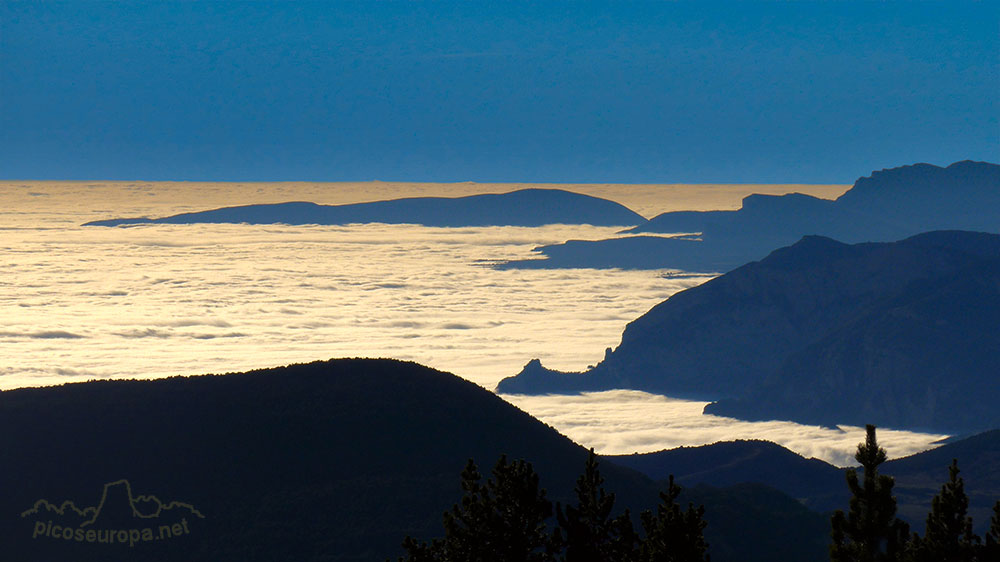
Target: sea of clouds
point(621, 422)
point(162, 300)
point(159, 300)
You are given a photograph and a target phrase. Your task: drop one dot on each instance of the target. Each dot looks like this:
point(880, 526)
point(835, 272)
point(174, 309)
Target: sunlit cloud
point(154, 301)
point(43, 335)
point(307, 293)
point(621, 422)
point(144, 333)
point(189, 322)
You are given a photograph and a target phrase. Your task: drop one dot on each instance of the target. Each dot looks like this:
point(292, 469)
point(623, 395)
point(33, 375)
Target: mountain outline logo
point(120, 516)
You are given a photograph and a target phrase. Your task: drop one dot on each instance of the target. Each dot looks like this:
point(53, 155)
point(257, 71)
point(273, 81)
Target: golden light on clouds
point(621, 422)
point(159, 300)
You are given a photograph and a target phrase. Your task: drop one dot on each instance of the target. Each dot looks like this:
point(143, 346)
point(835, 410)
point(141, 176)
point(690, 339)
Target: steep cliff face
point(811, 329)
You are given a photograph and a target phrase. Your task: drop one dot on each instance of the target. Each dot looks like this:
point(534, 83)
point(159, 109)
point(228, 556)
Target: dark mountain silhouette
point(919, 477)
point(899, 334)
point(812, 482)
point(821, 486)
point(762, 510)
point(334, 460)
point(526, 207)
point(888, 205)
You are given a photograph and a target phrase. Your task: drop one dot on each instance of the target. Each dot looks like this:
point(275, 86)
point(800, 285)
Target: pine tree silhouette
point(870, 532)
point(501, 520)
point(587, 531)
point(991, 546)
point(673, 535)
point(948, 536)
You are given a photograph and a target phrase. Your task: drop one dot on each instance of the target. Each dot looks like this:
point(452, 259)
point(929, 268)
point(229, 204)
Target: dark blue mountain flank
point(900, 334)
point(888, 205)
point(336, 460)
point(526, 207)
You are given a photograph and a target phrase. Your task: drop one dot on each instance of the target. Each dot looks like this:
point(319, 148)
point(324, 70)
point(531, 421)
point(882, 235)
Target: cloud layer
point(153, 301)
point(620, 422)
point(181, 299)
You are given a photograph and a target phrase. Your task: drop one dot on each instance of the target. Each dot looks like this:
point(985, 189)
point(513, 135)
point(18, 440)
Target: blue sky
point(818, 92)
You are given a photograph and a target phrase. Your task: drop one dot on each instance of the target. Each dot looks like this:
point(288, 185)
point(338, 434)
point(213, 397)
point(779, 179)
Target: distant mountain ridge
point(888, 205)
point(525, 207)
point(814, 483)
point(821, 486)
point(899, 334)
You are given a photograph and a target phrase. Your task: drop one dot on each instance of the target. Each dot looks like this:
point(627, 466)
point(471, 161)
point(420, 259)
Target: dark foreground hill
point(888, 205)
point(899, 334)
point(526, 207)
point(334, 460)
point(822, 487)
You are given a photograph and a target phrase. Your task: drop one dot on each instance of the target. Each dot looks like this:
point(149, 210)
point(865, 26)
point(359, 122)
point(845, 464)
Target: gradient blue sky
point(546, 92)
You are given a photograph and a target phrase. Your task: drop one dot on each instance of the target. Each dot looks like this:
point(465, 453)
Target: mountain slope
point(939, 337)
point(339, 459)
point(335, 460)
point(526, 207)
point(883, 319)
point(755, 512)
